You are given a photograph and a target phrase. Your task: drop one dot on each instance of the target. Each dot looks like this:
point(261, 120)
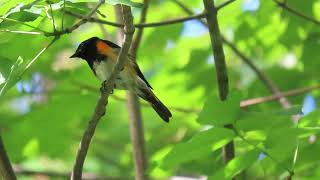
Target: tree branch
point(135, 119)
point(295, 12)
point(217, 48)
point(106, 88)
point(220, 64)
point(134, 111)
point(142, 24)
point(139, 25)
point(64, 175)
point(6, 170)
point(226, 3)
point(261, 75)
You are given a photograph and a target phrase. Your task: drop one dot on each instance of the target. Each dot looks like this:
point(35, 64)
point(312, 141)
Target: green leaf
point(281, 142)
point(200, 145)
point(219, 113)
point(5, 65)
point(312, 119)
point(251, 121)
point(14, 75)
point(22, 16)
point(125, 2)
point(236, 165)
point(240, 163)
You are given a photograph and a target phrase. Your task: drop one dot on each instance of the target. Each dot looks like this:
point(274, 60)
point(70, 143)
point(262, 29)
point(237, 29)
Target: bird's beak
point(74, 55)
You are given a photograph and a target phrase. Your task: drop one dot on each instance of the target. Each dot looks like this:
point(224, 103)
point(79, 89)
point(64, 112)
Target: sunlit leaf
point(13, 76)
point(202, 144)
point(219, 113)
point(125, 2)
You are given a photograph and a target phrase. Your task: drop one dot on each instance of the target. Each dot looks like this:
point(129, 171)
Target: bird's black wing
point(136, 67)
point(111, 44)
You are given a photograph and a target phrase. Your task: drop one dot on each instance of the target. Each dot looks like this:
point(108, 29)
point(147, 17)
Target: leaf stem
point(20, 32)
point(25, 24)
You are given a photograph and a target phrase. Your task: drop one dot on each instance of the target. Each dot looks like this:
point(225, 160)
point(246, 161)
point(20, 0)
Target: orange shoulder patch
point(103, 48)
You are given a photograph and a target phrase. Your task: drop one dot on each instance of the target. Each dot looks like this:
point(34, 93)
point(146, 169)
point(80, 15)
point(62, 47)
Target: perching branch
point(285, 6)
point(106, 88)
point(217, 48)
point(6, 171)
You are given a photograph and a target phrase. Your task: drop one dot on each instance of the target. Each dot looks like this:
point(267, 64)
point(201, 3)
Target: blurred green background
point(44, 113)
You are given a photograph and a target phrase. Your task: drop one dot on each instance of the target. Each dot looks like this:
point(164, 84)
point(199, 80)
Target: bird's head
point(87, 49)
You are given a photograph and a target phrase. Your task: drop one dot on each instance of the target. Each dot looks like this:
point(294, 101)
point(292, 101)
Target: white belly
point(103, 71)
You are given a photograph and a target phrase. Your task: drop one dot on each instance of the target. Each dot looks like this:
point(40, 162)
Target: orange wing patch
point(106, 50)
point(103, 48)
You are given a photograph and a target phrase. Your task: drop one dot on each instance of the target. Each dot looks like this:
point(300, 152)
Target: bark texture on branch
point(217, 48)
point(6, 170)
point(134, 110)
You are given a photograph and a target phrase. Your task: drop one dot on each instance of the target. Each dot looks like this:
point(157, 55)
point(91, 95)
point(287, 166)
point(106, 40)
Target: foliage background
point(45, 112)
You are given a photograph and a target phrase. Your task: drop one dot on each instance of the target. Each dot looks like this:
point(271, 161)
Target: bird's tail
point(156, 104)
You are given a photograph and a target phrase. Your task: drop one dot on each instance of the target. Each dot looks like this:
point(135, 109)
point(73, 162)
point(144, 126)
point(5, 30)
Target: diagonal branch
point(296, 12)
point(261, 75)
point(243, 103)
point(142, 24)
point(217, 48)
point(6, 171)
point(106, 88)
point(139, 25)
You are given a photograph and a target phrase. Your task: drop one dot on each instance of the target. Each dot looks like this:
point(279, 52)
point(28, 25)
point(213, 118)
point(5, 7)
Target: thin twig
point(25, 24)
point(225, 4)
point(78, 24)
point(293, 92)
point(139, 25)
point(6, 171)
point(20, 32)
point(217, 49)
point(261, 75)
point(106, 88)
point(296, 12)
point(52, 17)
point(280, 164)
point(63, 13)
point(64, 175)
point(136, 41)
point(243, 103)
point(38, 55)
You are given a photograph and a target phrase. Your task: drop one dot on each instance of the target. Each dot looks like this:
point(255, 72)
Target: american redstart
point(101, 56)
